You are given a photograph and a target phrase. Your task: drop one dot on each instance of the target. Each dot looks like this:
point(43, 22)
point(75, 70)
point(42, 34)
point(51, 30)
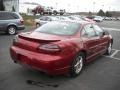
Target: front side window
point(98, 30)
point(89, 31)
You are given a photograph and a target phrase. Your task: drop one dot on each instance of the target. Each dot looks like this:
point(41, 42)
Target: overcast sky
point(80, 5)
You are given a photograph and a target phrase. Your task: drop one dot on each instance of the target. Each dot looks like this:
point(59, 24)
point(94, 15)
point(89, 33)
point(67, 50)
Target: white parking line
point(115, 49)
point(114, 53)
point(112, 57)
point(112, 29)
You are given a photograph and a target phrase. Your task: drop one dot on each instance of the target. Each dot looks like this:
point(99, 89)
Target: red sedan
point(61, 47)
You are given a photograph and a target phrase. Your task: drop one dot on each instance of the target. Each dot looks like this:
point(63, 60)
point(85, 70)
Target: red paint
point(53, 54)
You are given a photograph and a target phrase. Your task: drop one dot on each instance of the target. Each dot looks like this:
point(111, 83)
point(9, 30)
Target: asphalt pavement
point(101, 74)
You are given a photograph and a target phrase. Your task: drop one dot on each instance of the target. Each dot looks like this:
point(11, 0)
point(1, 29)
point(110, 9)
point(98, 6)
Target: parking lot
point(101, 74)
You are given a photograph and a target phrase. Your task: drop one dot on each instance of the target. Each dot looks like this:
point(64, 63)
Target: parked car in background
point(117, 18)
point(87, 19)
point(98, 18)
point(63, 18)
point(108, 18)
point(90, 17)
point(44, 19)
point(84, 18)
point(62, 11)
point(73, 17)
point(11, 22)
point(47, 10)
point(61, 47)
point(80, 18)
point(58, 11)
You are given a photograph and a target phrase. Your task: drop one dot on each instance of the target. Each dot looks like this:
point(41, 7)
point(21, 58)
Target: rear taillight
point(22, 21)
point(49, 48)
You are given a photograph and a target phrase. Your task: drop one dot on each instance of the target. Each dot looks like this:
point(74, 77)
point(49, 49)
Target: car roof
point(80, 22)
point(9, 12)
point(6, 12)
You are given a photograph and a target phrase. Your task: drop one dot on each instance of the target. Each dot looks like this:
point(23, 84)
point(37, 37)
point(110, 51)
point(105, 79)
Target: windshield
point(59, 28)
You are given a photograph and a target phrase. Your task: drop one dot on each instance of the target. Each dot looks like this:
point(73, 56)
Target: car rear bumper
point(22, 27)
point(53, 65)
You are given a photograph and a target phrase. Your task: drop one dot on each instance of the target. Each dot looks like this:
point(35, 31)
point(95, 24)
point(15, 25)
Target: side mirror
point(102, 34)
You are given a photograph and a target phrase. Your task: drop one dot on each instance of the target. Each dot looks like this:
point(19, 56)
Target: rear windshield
point(59, 28)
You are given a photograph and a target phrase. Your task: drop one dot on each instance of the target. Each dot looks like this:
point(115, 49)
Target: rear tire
point(77, 65)
point(41, 13)
point(11, 30)
point(55, 12)
point(61, 13)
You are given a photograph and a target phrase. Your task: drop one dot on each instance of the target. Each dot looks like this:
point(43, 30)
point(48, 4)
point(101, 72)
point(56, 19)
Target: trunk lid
point(41, 37)
point(32, 40)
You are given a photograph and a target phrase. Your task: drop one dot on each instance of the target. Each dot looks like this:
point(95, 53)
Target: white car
point(98, 18)
point(75, 18)
point(44, 19)
point(63, 18)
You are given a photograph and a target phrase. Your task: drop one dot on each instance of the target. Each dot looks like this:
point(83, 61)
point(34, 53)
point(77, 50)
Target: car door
point(103, 39)
point(90, 41)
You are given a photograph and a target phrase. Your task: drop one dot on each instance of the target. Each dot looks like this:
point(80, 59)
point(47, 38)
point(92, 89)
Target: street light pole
point(103, 7)
point(109, 8)
point(94, 7)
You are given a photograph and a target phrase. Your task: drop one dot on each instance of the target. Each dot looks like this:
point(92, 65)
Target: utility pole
point(94, 7)
point(109, 8)
point(103, 7)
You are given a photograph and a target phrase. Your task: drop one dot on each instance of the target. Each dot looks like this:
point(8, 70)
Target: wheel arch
point(11, 25)
point(84, 52)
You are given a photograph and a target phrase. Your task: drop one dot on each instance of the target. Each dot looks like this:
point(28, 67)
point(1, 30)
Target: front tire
point(77, 65)
point(109, 49)
point(11, 30)
point(37, 25)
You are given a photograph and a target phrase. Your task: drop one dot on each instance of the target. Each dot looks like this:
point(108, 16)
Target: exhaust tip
point(15, 61)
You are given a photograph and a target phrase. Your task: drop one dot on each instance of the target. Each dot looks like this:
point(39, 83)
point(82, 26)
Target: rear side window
point(98, 30)
point(88, 31)
point(15, 16)
point(8, 16)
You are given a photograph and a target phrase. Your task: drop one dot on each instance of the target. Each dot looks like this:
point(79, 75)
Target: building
point(10, 5)
point(27, 7)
